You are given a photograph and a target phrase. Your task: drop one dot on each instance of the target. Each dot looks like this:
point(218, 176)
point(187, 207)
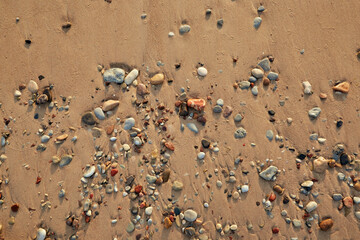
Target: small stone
point(266, 81)
point(115, 75)
point(269, 135)
point(171, 34)
point(323, 96)
point(17, 93)
point(357, 215)
point(343, 87)
point(227, 111)
point(233, 227)
point(314, 112)
point(307, 184)
point(269, 173)
point(166, 175)
point(258, 73)
point(252, 79)
point(321, 140)
point(244, 85)
point(326, 224)
point(240, 133)
point(192, 127)
point(289, 120)
point(217, 109)
point(244, 188)
point(190, 215)
point(265, 64)
point(201, 71)
point(110, 105)
point(41, 234)
point(272, 76)
point(337, 197)
point(218, 183)
point(314, 136)
point(33, 87)
point(356, 200)
point(157, 79)
point(141, 89)
point(311, 206)
point(89, 171)
point(220, 23)
point(257, 22)
point(341, 176)
point(205, 143)
point(201, 155)
point(236, 195)
point(130, 227)
point(137, 141)
point(238, 117)
point(131, 76)
point(167, 223)
point(61, 193)
point(45, 138)
point(184, 29)
point(177, 186)
point(307, 87)
point(261, 9)
point(255, 91)
point(99, 113)
point(88, 118)
point(129, 123)
point(109, 188)
point(348, 202)
point(320, 164)
point(296, 223)
point(150, 179)
point(148, 211)
point(65, 160)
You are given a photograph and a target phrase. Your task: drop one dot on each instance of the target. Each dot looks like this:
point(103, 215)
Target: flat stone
point(190, 215)
point(307, 87)
point(217, 109)
point(314, 136)
point(184, 29)
point(137, 141)
point(17, 93)
point(115, 75)
point(343, 87)
point(157, 79)
point(296, 223)
point(220, 102)
point(272, 76)
point(65, 160)
point(33, 87)
point(244, 85)
point(337, 197)
point(261, 9)
point(341, 176)
point(348, 202)
point(130, 227)
point(255, 91)
point(269, 173)
point(88, 118)
point(356, 200)
point(257, 22)
point(269, 135)
point(244, 188)
point(45, 138)
point(109, 188)
point(110, 105)
point(133, 74)
point(314, 112)
point(99, 113)
point(89, 171)
point(258, 73)
point(201, 71)
point(265, 64)
point(311, 206)
point(252, 79)
point(326, 224)
point(307, 184)
point(177, 186)
point(192, 127)
point(218, 183)
point(150, 179)
point(240, 133)
point(129, 123)
point(238, 117)
point(141, 89)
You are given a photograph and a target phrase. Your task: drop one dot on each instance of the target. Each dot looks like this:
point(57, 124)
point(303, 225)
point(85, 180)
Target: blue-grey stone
point(238, 117)
point(240, 133)
point(272, 76)
point(255, 91)
point(261, 9)
point(244, 84)
point(220, 102)
point(217, 109)
point(45, 138)
point(314, 112)
point(150, 179)
point(137, 141)
point(257, 22)
point(99, 113)
point(341, 176)
point(115, 75)
point(314, 136)
point(337, 197)
point(192, 127)
point(129, 123)
point(269, 135)
point(113, 139)
point(269, 173)
point(184, 29)
point(252, 79)
point(265, 64)
point(3, 141)
point(296, 223)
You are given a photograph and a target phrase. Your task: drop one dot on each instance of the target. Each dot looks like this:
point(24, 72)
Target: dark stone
point(88, 118)
point(183, 110)
point(36, 116)
point(271, 112)
point(177, 211)
point(301, 156)
point(344, 159)
point(286, 199)
point(339, 123)
point(205, 143)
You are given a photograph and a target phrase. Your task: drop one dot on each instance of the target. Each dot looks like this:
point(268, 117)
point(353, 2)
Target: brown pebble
point(323, 96)
point(272, 197)
point(357, 186)
point(167, 223)
point(170, 146)
point(343, 87)
point(227, 111)
point(109, 129)
point(22, 86)
point(15, 207)
point(348, 202)
point(326, 224)
point(266, 81)
point(166, 175)
point(62, 137)
point(278, 189)
point(141, 89)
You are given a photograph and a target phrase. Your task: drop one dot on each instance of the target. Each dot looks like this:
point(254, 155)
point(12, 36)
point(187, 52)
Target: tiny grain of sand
point(179, 119)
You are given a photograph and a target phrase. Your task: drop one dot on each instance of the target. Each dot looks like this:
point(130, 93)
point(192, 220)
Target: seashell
point(89, 171)
point(278, 189)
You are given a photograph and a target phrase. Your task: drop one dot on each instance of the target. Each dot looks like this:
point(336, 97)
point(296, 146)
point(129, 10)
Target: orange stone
point(343, 87)
point(198, 104)
point(114, 172)
point(110, 129)
point(170, 146)
point(326, 224)
point(272, 197)
point(167, 223)
point(348, 202)
point(323, 96)
point(266, 81)
point(357, 186)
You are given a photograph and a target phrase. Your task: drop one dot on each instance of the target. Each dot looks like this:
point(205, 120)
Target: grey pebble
point(265, 64)
point(184, 29)
point(130, 227)
point(269, 135)
point(115, 75)
point(220, 23)
point(252, 79)
point(314, 136)
point(296, 223)
point(244, 84)
point(192, 127)
point(257, 22)
point(255, 91)
point(45, 138)
point(129, 123)
point(220, 102)
point(217, 109)
point(261, 9)
point(238, 117)
point(240, 133)
point(337, 197)
point(314, 112)
point(272, 76)
point(341, 176)
point(99, 113)
point(269, 173)
point(61, 193)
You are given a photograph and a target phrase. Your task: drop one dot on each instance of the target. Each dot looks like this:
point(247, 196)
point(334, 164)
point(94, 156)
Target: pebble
point(110, 105)
point(130, 227)
point(320, 164)
point(284, 213)
point(269, 173)
point(217, 109)
point(307, 87)
point(33, 87)
point(141, 89)
point(348, 202)
point(236, 195)
point(133, 74)
point(129, 123)
point(190, 215)
point(266, 81)
point(233, 227)
point(192, 127)
point(45, 138)
point(323, 96)
point(314, 136)
point(244, 85)
point(227, 111)
point(177, 186)
point(341, 176)
point(343, 87)
point(88, 118)
point(148, 211)
point(296, 223)
point(265, 64)
point(17, 93)
point(252, 79)
point(261, 9)
point(137, 141)
point(311, 206)
point(171, 34)
point(326, 224)
point(337, 197)
point(238, 117)
point(206, 205)
point(201, 155)
point(269, 135)
point(61, 193)
point(258, 73)
point(356, 200)
point(99, 113)
point(314, 112)
point(240, 133)
point(272, 76)
point(115, 75)
point(201, 71)
point(41, 234)
point(113, 139)
point(89, 171)
point(244, 188)
point(220, 102)
point(150, 179)
point(109, 188)
point(255, 91)
point(218, 183)
point(357, 215)
point(257, 22)
point(321, 140)
point(184, 29)
point(307, 184)
point(65, 160)
point(220, 23)
point(157, 79)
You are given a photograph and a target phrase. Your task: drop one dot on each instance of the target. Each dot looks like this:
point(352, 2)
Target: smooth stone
point(192, 127)
point(320, 164)
point(326, 224)
point(41, 234)
point(201, 155)
point(157, 79)
point(109, 188)
point(201, 71)
point(255, 91)
point(130, 227)
point(343, 87)
point(217, 109)
point(99, 113)
point(357, 215)
point(141, 89)
point(65, 160)
point(311, 206)
point(314, 136)
point(190, 215)
point(184, 29)
point(150, 179)
point(61, 193)
point(269, 135)
point(258, 73)
point(314, 112)
point(110, 105)
point(321, 140)
point(272, 76)
point(244, 188)
point(220, 22)
point(341, 176)
point(307, 184)
point(238, 117)
point(233, 227)
point(265, 64)
point(261, 9)
point(220, 102)
point(296, 223)
point(337, 197)
point(218, 183)
point(257, 22)
point(307, 87)
point(356, 200)
point(17, 93)
point(244, 85)
point(148, 211)
point(240, 133)
point(45, 138)
point(129, 123)
point(113, 139)
point(115, 75)
point(88, 118)
point(89, 171)
point(171, 34)
point(269, 173)
point(177, 186)
point(137, 141)
point(131, 76)
point(33, 87)
point(252, 79)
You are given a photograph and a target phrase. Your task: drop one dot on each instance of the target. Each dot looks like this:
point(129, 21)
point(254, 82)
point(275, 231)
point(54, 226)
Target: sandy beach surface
point(180, 119)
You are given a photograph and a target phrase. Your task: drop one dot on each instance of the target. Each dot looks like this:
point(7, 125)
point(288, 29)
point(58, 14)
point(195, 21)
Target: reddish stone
point(275, 230)
point(15, 207)
point(272, 197)
point(348, 202)
point(170, 146)
point(114, 172)
point(138, 189)
point(38, 180)
point(198, 104)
